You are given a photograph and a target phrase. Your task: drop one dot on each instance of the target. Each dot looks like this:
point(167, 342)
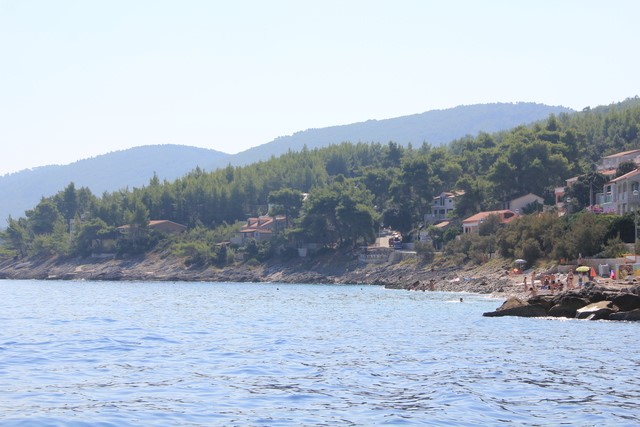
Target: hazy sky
point(83, 78)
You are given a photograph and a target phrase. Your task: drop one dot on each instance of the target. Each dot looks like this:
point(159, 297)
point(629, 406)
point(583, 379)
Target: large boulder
point(512, 302)
point(516, 307)
point(596, 311)
point(633, 315)
point(567, 305)
point(626, 302)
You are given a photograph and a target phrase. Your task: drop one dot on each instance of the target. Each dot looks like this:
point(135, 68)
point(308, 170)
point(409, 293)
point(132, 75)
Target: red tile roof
point(483, 215)
point(624, 153)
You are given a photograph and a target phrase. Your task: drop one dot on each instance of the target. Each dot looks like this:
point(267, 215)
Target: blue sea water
point(145, 354)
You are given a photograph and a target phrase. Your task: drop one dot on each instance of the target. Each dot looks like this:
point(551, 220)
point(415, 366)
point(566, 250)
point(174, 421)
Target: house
point(161, 225)
point(621, 195)
point(167, 226)
point(519, 203)
point(608, 167)
point(442, 207)
point(260, 228)
point(560, 192)
point(423, 235)
point(472, 224)
point(614, 160)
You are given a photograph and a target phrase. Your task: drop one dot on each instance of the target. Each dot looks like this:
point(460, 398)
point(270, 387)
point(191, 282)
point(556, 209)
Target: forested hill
point(351, 189)
point(134, 167)
point(436, 127)
point(109, 172)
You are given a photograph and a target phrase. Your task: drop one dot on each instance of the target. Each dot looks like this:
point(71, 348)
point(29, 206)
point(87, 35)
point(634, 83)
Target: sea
point(83, 353)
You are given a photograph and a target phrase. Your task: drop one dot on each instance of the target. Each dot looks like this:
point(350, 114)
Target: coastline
point(492, 278)
point(342, 268)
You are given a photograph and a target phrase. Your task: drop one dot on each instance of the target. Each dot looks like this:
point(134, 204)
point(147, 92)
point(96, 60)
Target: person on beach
point(570, 280)
point(525, 283)
point(533, 277)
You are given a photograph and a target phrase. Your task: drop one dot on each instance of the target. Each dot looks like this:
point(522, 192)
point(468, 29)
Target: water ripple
point(251, 354)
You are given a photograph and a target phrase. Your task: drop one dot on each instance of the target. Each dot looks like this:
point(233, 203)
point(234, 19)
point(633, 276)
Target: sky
point(88, 77)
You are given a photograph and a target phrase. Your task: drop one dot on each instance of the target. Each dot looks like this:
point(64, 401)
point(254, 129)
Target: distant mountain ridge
point(437, 127)
point(134, 167)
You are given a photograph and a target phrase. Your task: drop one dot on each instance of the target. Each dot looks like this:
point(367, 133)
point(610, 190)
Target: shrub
point(425, 251)
point(195, 253)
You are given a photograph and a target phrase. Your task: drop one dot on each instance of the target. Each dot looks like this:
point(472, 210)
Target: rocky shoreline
point(342, 268)
point(615, 301)
point(592, 302)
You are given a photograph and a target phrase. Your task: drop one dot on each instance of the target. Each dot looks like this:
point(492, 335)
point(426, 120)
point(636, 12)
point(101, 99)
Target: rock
point(635, 290)
point(516, 307)
point(512, 303)
point(593, 293)
point(567, 305)
point(534, 310)
point(596, 311)
point(627, 302)
point(542, 300)
point(633, 315)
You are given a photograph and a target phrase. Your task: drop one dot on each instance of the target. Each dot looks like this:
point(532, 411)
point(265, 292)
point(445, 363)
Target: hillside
point(108, 172)
point(352, 192)
point(134, 167)
point(437, 127)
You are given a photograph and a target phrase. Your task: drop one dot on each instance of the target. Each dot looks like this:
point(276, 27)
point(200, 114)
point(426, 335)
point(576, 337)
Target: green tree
point(338, 214)
point(90, 236)
point(43, 218)
point(475, 197)
point(625, 167)
point(490, 225)
point(70, 205)
point(58, 242)
point(378, 181)
point(16, 236)
point(587, 234)
point(136, 238)
point(286, 201)
point(414, 189)
point(582, 193)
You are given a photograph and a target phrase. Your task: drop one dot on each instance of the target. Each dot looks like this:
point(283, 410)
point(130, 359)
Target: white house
point(622, 194)
point(442, 206)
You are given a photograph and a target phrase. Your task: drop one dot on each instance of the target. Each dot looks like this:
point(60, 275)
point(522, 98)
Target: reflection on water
point(90, 353)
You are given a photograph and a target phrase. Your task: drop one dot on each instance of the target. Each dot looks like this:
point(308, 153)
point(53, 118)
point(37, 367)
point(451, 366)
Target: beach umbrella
point(520, 261)
point(583, 269)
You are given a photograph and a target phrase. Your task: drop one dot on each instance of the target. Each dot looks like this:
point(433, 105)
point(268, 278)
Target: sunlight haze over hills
point(81, 79)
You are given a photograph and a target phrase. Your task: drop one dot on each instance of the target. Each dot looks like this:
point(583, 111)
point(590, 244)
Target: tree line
point(350, 190)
